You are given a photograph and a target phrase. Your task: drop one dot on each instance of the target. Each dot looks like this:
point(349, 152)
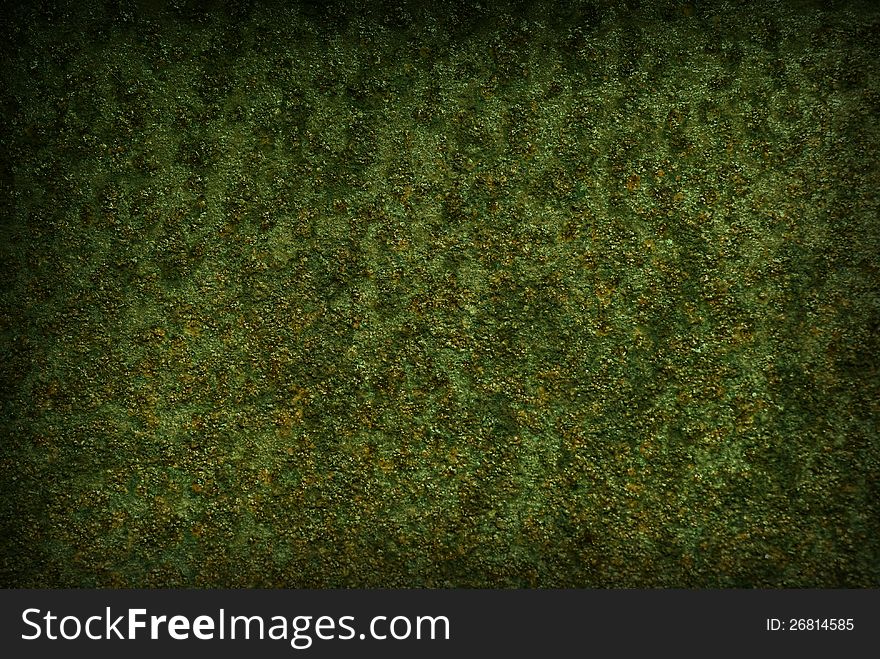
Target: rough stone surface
point(580, 294)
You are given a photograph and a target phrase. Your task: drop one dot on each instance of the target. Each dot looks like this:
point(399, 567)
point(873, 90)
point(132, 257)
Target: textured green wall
point(583, 294)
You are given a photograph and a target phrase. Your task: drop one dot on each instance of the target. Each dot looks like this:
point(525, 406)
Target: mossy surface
point(579, 294)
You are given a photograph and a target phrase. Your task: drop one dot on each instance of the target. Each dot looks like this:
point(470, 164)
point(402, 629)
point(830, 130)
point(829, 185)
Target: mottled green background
point(564, 294)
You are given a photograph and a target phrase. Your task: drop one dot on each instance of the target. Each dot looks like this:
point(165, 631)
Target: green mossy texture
point(353, 295)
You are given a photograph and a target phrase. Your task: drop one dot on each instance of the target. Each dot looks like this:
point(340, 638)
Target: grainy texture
point(574, 294)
